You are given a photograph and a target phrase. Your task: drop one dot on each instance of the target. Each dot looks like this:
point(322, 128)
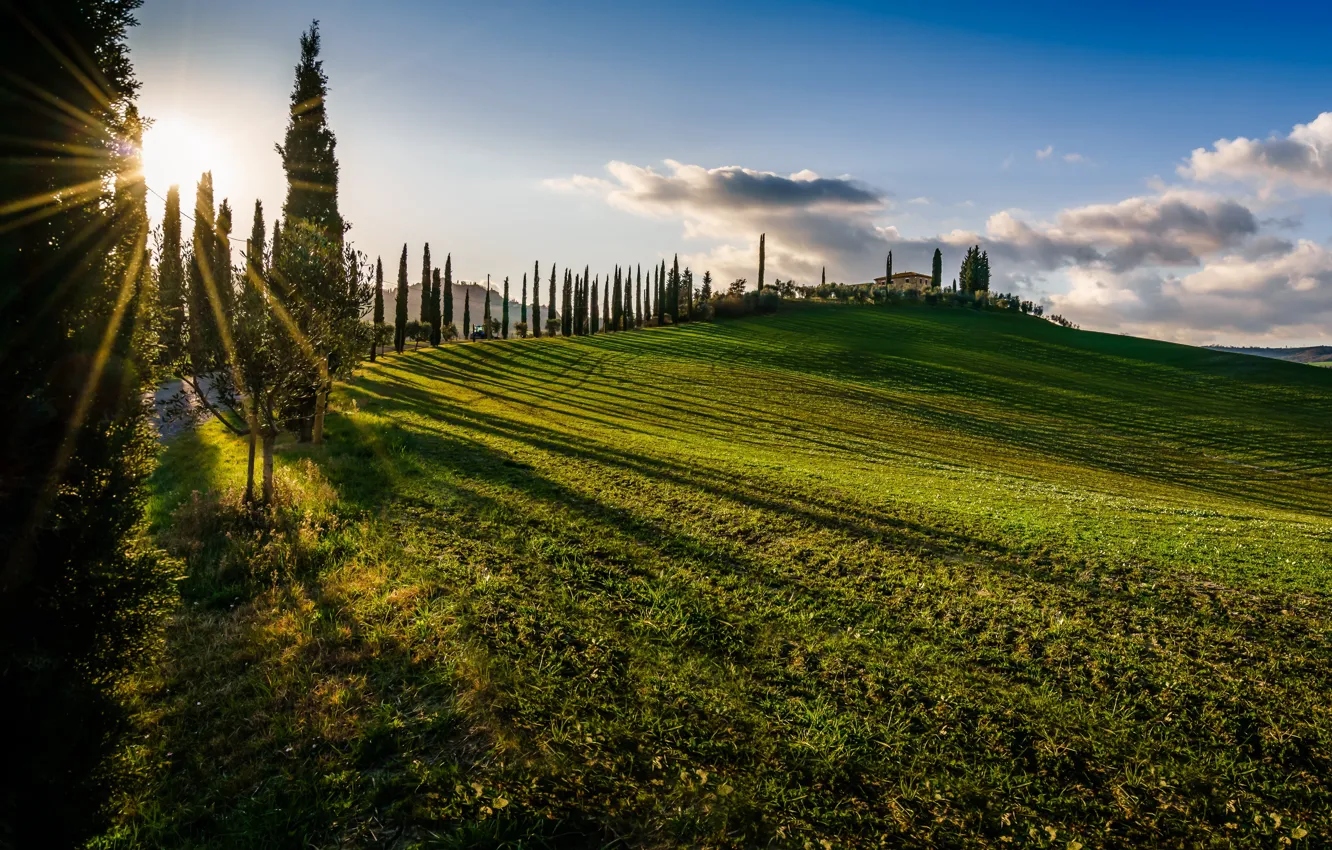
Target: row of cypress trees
point(624, 300)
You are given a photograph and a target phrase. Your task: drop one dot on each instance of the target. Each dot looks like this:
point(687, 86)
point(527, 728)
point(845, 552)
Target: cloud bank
point(1302, 160)
point(1181, 262)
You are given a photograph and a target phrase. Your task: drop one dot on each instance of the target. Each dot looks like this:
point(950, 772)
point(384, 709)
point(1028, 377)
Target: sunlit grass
point(863, 577)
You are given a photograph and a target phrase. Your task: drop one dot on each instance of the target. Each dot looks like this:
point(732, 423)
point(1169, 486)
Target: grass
point(841, 576)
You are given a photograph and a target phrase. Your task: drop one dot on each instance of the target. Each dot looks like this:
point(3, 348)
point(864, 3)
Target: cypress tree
point(618, 299)
point(485, 320)
point(436, 332)
point(592, 307)
point(638, 295)
point(763, 238)
point(424, 314)
point(171, 282)
point(583, 302)
point(222, 263)
point(566, 306)
point(447, 294)
point(659, 296)
point(536, 302)
point(504, 311)
point(687, 290)
point(936, 269)
point(400, 306)
point(308, 150)
point(202, 296)
point(706, 294)
point(522, 302)
point(675, 290)
point(254, 253)
point(550, 300)
point(984, 265)
point(606, 305)
point(379, 305)
point(888, 271)
point(467, 312)
point(823, 281)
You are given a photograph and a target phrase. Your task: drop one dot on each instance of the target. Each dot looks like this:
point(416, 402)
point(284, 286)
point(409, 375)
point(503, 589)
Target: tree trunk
point(249, 470)
point(269, 439)
point(321, 405)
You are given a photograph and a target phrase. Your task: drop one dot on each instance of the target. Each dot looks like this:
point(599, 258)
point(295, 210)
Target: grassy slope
point(844, 575)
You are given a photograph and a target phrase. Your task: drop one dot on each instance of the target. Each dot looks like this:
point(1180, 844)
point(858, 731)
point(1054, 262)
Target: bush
point(233, 550)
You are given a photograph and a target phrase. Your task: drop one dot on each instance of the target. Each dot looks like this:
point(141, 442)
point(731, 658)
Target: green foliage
point(309, 149)
point(171, 283)
point(936, 270)
point(82, 592)
point(763, 238)
point(436, 314)
point(400, 306)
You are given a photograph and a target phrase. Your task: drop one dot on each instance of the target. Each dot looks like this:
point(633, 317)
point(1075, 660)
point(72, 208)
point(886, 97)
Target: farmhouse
point(908, 280)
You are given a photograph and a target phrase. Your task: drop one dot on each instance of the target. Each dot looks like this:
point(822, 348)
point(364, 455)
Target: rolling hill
point(841, 576)
point(1312, 354)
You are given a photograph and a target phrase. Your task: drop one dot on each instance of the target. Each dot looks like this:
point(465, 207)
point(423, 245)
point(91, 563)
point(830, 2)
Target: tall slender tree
point(522, 303)
point(706, 294)
point(823, 279)
point(447, 294)
point(763, 238)
point(550, 300)
point(504, 310)
point(400, 306)
point(222, 277)
point(536, 302)
point(638, 293)
point(171, 282)
point(436, 286)
point(617, 300)
point(566, 305)
point(936, 270)
point(485, 320)
point(659, 294)
point(424, 313)
point(687, 294)
point(888, 270)
point(204, 305)
point(592, 326)
point(467, 312)
point(675, 290)
point(308, 151)
point(379, 305)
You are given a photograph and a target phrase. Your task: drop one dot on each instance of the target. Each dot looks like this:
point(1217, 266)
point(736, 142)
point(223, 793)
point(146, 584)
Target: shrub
point(232, 549)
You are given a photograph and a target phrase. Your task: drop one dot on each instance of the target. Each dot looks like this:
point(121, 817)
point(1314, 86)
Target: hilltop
point(461, 291)
point(1312, 354)
point(840, 576)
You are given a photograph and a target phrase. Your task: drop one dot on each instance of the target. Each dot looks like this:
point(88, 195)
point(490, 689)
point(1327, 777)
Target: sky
point(1160, 169)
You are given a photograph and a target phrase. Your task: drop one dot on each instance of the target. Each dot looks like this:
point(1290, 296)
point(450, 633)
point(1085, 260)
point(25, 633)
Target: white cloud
point(1044, 153)
point(922, 201)
point(1302, 160)
point(1288, 297)
point(1076, 158)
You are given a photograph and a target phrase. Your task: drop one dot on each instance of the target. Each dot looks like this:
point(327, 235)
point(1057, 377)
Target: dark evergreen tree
point(171, 282)
point(467, 312)
point(308, 150)
point(222, 277)
point(888, 272)
point(204, 304)
point(617, 300)
point(936, 273)
point(504, 311)
point(592, 307)
point(436, 313)
point(447, 294)
point(424, 313)
point(400, 306)
point(687, 295)
point(638, 297)
point(674, 292)
point(254, 250)
point(660, 295)
point(763, 238)
point(706, 294)
point(550, 300)
point(522, 303)
point(566, 306)
point(536, 301)
point(485, 320)
point(82, 593)
point(983, 267)
point(379, 305)
point(823, 279)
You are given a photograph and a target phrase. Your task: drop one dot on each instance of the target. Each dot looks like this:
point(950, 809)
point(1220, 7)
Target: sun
point(176, 153)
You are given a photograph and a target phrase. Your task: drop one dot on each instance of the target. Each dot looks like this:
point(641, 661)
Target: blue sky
point(489, 130)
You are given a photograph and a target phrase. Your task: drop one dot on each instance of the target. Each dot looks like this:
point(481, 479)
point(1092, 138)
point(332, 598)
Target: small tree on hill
point(763, 238)
point(379, 305)
point(447, 296)
point(504, 311)
point(435, 287)
point(936, 273)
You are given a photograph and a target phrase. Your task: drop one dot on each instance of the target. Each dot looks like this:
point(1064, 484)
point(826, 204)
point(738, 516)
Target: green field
point(838, 577)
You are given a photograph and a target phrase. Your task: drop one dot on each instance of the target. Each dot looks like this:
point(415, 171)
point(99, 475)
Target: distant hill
point(1313, 354)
